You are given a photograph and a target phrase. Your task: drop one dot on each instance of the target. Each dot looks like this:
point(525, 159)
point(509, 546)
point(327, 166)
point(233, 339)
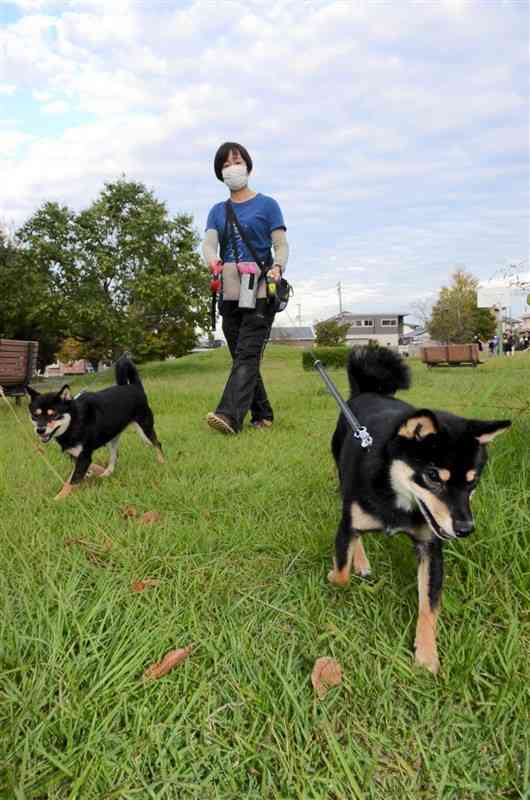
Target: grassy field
point(241, 553)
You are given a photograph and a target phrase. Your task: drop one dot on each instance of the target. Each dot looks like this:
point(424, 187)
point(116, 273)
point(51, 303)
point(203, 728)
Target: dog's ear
point(64, 393)
point(419, 425)
point(33, 393)
point(484, 431)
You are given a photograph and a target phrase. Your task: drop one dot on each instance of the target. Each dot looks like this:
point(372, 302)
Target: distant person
point(496, 342)
point(510, 344)
point(236, 247)
point(491, 345)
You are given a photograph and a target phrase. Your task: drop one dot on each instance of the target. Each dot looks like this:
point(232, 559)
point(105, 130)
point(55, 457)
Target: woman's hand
point(216, 265)
point(275, 273)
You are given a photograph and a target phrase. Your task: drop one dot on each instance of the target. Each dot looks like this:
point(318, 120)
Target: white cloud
point(11, 141)
point(56, 107)
point(395, 138)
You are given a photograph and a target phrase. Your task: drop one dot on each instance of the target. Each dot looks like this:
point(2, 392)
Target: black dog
point(417, 477)
point(94, 419)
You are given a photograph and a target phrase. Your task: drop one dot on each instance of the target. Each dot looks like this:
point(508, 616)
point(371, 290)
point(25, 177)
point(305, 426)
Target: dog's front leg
point(80, 470)
point(344, 549)
point(430, 579)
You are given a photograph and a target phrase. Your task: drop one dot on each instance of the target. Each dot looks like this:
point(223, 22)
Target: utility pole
point(339, 289)
point(299, 315)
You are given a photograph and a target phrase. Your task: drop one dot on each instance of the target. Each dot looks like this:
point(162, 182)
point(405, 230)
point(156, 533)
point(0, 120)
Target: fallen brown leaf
point(141, 586)
point(170, 660)
point(129, 511)
point(82, 542)
point(149, 517)
point(38, 447)
point(95, 559)
point(326, 673)
point(95, 553)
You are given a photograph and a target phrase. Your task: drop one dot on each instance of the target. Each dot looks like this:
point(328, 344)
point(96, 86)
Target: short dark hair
point(222, 154)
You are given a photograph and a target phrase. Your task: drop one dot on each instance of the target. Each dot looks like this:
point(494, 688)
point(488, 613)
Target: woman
point(236, 248)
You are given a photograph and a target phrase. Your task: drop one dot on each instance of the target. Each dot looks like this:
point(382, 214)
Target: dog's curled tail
point(126, 372)
point(376, 369)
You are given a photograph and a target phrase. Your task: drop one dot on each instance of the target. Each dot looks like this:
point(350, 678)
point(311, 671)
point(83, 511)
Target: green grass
point(242, 552)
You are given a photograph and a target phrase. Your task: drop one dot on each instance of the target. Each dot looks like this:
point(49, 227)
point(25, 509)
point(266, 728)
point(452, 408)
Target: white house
point(385, 329)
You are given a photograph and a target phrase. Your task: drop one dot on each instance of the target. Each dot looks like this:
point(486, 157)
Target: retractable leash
point(215, 286)
point(359, 431)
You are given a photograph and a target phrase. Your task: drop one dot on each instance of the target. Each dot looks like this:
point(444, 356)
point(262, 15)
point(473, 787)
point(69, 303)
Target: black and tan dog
point(418, 477)
point(94, 419)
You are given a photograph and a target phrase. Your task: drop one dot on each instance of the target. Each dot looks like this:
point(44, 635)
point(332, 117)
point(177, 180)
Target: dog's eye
point(432, 475)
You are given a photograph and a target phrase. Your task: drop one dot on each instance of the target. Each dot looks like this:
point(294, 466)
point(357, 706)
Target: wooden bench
point(18, 364)
point(451, 354)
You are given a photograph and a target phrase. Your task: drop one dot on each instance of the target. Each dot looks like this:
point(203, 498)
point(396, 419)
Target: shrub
point(330, 357)
point(330, 333)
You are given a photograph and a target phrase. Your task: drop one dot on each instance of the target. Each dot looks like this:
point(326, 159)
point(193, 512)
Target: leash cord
point(359, 431)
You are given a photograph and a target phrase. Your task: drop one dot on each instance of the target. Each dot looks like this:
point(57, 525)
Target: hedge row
point(330, 357)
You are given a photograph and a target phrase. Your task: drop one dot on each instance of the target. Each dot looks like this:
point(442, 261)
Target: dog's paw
point(106, 473)
point(361, 566)
point(159, 457)
point(428, 658)
point(65, 491)
point(96, 469)
point(337, 578)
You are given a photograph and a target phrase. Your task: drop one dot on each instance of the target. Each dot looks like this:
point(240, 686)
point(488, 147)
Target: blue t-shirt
point(258, 217)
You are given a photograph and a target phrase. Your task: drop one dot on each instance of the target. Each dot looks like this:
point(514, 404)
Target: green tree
point(455, 316)
point(26, 303)
point(330, 333)
point(70, 350)
point(128, 276)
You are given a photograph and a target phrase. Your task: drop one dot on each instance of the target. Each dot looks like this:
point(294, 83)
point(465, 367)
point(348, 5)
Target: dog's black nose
point(464, 527)
point(40, 431)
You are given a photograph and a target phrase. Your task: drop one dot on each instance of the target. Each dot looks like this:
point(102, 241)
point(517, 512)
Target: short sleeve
point(212, 221)
point(275, 215)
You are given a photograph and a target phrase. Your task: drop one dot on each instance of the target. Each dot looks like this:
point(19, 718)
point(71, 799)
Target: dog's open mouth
point(433, 525)
point(45, 437)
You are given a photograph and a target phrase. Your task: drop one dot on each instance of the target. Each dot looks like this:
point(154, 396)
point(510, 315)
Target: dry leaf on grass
point(141, 586)
point(95, 559)
point(149, 517)
point(170, 660)
point(129, 511)
point(95, 553)
point(326, 673)
point(82, 542)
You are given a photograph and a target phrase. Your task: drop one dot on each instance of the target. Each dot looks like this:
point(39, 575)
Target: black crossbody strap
point(224, 239)
point(233, 220)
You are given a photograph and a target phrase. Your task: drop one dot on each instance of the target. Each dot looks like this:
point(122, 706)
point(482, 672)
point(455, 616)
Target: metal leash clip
point(364, 436)
point(358, 430)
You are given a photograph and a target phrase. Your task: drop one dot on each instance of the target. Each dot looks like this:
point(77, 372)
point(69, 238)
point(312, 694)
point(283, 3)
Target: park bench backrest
point(18, 361)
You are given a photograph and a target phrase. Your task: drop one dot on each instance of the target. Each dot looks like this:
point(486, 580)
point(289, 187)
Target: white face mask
point(235, 177)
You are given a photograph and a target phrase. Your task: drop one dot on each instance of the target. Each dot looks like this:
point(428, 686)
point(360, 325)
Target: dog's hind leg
point(361, 565)
point(146, 429)
point(430, 579)
point(113, 448)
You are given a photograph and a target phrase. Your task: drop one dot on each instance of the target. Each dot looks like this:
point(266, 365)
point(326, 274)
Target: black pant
point(247, 332)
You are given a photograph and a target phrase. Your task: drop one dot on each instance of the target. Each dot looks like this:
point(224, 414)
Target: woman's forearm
point(280, 247)
point(210, 246)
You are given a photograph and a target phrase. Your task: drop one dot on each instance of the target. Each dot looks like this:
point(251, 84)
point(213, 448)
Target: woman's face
point(234, 157)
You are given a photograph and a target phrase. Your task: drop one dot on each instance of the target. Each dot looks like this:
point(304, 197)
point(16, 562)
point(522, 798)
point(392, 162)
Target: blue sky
point(394, 135)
